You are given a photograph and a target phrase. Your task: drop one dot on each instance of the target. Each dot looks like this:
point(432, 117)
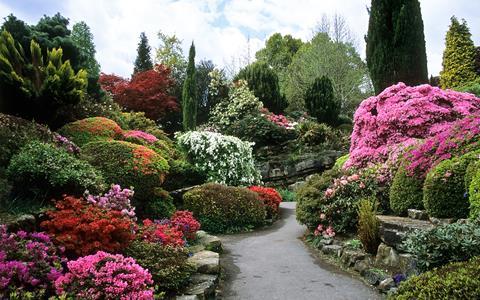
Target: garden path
point(275, 264)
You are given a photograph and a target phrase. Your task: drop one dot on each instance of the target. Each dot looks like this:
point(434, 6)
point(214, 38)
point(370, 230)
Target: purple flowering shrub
point(65, 143)
point(29, 264)
point(105, 276)
point(136, 136)
point(116, 199)
point(401, 114)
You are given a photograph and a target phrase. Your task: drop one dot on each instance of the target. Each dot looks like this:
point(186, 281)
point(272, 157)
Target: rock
point(350, 257)
point(202, 286)
point(407, 264)
point(309, 177)
point(393, 230)
point(276, 173)
point(417, 214)
point(24, 222)
point(360, 266)
point(332, 250)
point(386, 285)
point(209, 242)
point(196, 248)
point(206, 262)
point(387, 257)
point(187, 297)
point(374, 276)
point(294, 187)
point(438, 221)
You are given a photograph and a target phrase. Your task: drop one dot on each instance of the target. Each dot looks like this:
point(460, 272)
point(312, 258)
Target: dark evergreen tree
point(143, 62)
point(477, 60)
point(189, 94)
point(321, 103)
point(396, 43)
point(263, 82)
point(205, 100)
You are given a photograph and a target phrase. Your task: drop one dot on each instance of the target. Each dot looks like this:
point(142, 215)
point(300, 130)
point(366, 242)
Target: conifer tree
point(396, 43)
point(189, 94)
point(143, 62)
point(458, 57)
point(320, 101)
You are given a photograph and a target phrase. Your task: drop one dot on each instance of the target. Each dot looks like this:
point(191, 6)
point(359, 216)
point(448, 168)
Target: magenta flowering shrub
point(29, 263)
point(116, 199)
point(105, 276)
point(401, 114)
point(138, 135)
point(454, 139)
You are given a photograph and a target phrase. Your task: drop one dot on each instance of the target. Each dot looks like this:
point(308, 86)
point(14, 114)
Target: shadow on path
point(273, 263)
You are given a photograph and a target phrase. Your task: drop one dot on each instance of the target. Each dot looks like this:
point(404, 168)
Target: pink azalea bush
point(116, 199)
point(279, 120)
point(105, 276)
point(401, 115)
point(29, 263)
point(140, 135)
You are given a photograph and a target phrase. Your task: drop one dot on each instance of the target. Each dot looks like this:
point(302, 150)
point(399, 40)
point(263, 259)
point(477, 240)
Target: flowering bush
point(105, 276)
point(117, 199)
point(270, 198)
point(279, 120)
point(83, 228)
point(88, 130)
point(138, 135)
point(225, 159)
point(161, 232)
point(29, 264)
point(402, 113)
point(184, 220)
point(65, 143)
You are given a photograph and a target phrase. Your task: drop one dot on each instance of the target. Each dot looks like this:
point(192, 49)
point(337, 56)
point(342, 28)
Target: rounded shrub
point(169, 266)
point(128, 165)
point(474, 196)
point(444, 194)
point(405, 192)
point(92, 129)
point(41, 168)
point(270, 198)
point(221, 208)
point(470, 173)
point(460, 280)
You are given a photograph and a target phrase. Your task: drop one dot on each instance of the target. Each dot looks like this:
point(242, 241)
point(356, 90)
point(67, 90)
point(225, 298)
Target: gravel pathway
point(275, 264)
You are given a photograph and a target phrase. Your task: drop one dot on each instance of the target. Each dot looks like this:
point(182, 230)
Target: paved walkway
point(275, 264)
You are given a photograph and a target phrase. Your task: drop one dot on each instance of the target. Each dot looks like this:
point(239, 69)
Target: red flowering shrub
point(88, 130)
point(400, 114)
point(184, 220)
point(161, 232)
point(83, 228)
point(147, 91)
point(271, 199)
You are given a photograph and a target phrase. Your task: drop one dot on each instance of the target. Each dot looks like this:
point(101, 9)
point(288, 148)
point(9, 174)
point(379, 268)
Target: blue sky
point(224, 30)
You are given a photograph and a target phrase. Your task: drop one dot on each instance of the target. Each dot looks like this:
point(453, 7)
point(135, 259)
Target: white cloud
point(220, 28)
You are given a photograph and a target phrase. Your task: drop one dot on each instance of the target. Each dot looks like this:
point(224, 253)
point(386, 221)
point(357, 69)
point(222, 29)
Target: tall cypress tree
point(458, 57)
point(143, 62)
point(396, 43)
point(189, 93)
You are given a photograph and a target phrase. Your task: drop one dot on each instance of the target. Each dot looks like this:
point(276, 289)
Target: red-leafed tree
point(147, 91)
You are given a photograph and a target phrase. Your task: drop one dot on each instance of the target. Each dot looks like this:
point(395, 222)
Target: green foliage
point(36, 88)
point(189, 94)
point(287, 195)
point(458, 56)
point(263, 82)
point(368, 225)
point(444, 194)
point(41, 168)
point(405, 192)
point(143, 62)
point(170, 54)
point(311, 133)
point(310, 197)
point(340, 162)
point(320, 101)
point(396, 44)
point(208, 96)
point(168, 265)
point(459, 280)
point(470, 173)
point(89, 130)
point(183, 174)
point(470, 87)
point(338, 61)
point(257, 129)
point(443, 244)
point(129, 165)
point(222, 208)
point(157, 206)
point(353, 244)
point(474, 192)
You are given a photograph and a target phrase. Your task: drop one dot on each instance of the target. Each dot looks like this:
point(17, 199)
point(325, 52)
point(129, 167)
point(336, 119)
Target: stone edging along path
point(275, 264)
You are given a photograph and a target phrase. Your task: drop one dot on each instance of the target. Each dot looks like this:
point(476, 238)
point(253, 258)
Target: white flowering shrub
point(225, 159)
point(241, 102)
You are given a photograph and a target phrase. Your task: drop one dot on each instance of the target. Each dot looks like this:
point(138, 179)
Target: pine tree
point(189, 97)
point(458, 57)
point(263, 82)
point(320, 101)
point(396, 43)
point(143, 62)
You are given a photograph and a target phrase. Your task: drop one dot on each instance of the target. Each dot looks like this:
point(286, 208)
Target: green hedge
point(474, 196)
point(221, 208)
point(405, 192)
point(459, 280)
